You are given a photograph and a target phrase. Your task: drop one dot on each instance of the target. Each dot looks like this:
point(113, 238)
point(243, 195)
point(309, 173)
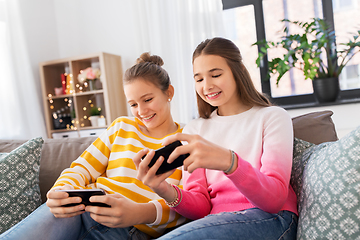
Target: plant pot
point(101, 122)
point(94, 120)
point(326, 89)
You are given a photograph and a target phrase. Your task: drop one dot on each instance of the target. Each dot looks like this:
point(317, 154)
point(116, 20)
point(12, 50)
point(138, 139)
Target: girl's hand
point(203, 154)
point(56, 200)
point(148, 175)
point(122, 213)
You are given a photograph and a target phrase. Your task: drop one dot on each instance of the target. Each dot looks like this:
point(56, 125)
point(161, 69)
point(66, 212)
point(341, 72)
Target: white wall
point(89, 26)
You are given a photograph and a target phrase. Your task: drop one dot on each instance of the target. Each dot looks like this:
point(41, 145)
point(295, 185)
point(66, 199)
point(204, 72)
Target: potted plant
point(94, 115)
point(313, 52)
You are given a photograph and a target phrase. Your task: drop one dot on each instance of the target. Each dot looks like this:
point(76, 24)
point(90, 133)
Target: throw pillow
point(19, 183)
point(329, 191)
point(315, 127)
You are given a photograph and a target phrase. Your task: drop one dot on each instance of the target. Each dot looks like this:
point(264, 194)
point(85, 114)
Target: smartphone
point(165, 152)
point(85, 194)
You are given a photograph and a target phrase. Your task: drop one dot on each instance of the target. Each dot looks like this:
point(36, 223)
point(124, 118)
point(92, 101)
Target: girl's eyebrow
point(142, 97)
point(211, 70)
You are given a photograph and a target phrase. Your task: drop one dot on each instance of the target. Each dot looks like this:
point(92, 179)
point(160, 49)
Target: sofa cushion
point(56, 155)
point(329, 188)
point(315, 127)
point(19, 183)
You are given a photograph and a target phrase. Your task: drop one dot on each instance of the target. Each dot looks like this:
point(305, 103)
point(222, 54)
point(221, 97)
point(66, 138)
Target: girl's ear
point(170, 92)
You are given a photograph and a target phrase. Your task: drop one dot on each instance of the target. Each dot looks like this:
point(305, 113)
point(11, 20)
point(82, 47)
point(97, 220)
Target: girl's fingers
point(155, 167)
point(152, 171)
point(175, 137)
point(185, 149)
point(138, 156)
point(145, 162)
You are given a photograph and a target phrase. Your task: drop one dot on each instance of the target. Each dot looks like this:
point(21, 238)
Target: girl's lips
point(212, 96)
point(147, 119)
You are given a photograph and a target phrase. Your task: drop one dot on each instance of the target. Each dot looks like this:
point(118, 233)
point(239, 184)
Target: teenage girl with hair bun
point(136, 212)
point(237, 177)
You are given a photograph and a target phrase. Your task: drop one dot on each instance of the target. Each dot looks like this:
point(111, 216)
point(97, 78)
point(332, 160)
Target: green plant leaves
point(306, 50)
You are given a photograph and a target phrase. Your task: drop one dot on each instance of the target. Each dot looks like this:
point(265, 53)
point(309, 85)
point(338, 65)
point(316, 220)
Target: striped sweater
point(107, 164)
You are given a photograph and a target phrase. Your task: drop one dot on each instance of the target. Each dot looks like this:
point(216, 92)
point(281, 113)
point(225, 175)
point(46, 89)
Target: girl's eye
point(148, 100)
point(133, 105)
point(216, 76)
point(198, 80)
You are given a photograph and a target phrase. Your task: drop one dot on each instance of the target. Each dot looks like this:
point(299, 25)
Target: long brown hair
point(245, 88)
point(148, 67)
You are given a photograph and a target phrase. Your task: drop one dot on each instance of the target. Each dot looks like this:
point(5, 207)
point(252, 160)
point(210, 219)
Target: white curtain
point(172, 30)
point(21, 115)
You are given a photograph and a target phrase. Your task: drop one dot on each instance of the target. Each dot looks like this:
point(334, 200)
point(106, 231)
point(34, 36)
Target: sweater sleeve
point(165, 215)
point(195, 202)
point(89, 166)
point(267, 187)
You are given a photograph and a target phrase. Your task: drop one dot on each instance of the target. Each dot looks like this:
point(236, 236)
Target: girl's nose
point(208, 84)
point(141, 109)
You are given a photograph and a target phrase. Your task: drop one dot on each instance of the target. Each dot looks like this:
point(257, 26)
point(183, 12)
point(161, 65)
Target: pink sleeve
point(195, 201)
point(267, 187)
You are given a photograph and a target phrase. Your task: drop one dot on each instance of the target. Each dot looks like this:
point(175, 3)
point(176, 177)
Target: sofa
point(325, 176)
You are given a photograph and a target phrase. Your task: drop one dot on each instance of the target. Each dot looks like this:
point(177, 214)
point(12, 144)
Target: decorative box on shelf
point(75, 89)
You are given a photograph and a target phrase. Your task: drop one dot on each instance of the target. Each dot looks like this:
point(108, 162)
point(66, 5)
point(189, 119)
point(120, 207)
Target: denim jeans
point(41, 224)
point(248, 224)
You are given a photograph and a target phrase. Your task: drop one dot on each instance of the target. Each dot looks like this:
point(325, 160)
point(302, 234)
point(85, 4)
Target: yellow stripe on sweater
point(99, 144)
point(124, 191)
point(135, 181)
point(121, 162)
point(95, 163)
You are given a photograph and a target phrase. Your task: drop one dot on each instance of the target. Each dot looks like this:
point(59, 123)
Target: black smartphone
point(85, 194)
point(165, 152)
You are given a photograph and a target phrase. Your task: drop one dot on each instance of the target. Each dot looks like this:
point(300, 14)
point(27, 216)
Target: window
point(341, 5)
point(248, 21)
point(240, 28)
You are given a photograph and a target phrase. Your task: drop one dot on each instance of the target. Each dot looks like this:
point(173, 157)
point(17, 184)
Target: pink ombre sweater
point(263, 139)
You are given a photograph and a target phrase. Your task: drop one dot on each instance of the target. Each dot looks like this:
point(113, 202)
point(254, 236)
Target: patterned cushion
point(301, 153)
point(19, 183)
point(327, 181)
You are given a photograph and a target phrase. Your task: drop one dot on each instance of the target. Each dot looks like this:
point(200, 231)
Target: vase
point(326, 89)
point(91, 83)
point(94, 120)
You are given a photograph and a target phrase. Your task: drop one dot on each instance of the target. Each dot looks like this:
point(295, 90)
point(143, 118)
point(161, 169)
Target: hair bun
point(146, 57)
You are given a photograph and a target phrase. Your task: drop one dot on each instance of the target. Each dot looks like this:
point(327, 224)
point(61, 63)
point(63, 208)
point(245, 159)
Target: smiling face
point(150, 105)
point(215, 83)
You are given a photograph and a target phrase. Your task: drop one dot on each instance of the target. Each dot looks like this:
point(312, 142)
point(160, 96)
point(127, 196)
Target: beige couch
point(57, 154)
point(316, 128)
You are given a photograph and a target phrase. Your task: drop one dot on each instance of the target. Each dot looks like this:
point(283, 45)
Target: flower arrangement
point(89, 74)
